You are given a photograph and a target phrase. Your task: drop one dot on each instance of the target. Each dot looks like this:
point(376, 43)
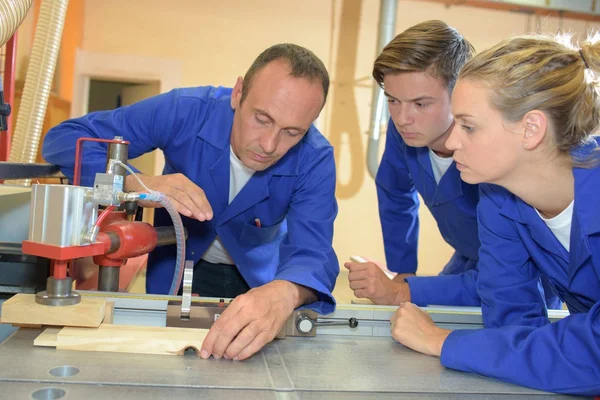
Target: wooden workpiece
point(21, 309)
point(124, 339)
point(109, 313)
point(48, 338)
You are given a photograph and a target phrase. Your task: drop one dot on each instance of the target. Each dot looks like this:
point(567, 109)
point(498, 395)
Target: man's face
point(419, 105)
point(276, 113)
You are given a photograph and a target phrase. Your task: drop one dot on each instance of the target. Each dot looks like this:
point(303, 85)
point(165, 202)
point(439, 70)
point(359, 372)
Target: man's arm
point(151, 124)
point(147, 125)
point(445, 290)
point(398, 206)
point(369, 281)
point(528, 350)
point(306, 255)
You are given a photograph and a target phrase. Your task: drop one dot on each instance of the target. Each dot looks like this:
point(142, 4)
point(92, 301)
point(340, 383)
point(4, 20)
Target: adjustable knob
point(305, 324)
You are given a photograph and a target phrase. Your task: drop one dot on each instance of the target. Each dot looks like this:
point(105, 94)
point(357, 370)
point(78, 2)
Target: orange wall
point(71, 40)
point(216, 41)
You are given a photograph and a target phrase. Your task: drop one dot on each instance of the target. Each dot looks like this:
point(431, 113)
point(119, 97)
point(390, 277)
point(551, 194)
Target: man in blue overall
point(418, 70)
point(254, 181)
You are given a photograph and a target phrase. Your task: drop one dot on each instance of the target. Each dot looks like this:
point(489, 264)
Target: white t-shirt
point(439, 165)
point(239, 175)
point(561, 225)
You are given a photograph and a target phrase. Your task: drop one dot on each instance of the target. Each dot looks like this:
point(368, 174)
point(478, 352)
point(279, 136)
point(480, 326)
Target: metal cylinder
point(130, 209)
point(118, 151)
point(108, 279)
point(379, 112)
point(165, 235)
point(59, 287)
point(58, 293)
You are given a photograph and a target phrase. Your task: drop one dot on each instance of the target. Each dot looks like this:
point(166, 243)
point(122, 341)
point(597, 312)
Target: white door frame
point(119, 68)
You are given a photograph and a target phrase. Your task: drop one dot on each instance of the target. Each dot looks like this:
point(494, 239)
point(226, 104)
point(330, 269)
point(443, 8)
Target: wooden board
point(48, 338)
point(22, 309)
point(109, 313)
point(127, 339)
point(26, 326)
point(356, 300)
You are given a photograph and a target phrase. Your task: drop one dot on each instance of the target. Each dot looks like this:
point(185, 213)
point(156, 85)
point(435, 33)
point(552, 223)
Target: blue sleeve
point(508, 282)
point(147, 125)
point(398, 206)
point(445, 290)
point(520, 345)
point(562, 357)
point(306, 255)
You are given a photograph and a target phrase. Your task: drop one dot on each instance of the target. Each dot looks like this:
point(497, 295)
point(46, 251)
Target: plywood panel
point(127, 339)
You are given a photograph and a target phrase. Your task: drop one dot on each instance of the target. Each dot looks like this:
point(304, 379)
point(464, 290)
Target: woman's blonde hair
point(544, 73)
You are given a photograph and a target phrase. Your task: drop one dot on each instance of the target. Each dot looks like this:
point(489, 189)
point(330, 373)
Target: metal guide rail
point(373, 320)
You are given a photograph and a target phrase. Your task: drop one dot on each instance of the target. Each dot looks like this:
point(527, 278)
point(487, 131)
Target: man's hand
point(415, 329)
point(253, 319)
point(369, 281)
point(189, 199)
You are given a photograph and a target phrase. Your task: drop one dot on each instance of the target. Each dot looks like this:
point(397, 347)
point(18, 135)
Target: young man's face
point(276, 113)
point(419, 105)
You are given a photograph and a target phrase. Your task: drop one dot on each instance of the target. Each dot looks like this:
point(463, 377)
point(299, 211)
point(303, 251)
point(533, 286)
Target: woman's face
point(486, 147)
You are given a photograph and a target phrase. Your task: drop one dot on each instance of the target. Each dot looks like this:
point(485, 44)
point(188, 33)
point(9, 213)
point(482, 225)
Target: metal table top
point(328, 366)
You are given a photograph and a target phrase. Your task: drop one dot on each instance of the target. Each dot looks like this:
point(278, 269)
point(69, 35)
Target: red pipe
point(132, 238)
point(79, 150)
point(103, 215)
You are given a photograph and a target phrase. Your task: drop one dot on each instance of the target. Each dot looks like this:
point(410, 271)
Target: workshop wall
point(216, 41)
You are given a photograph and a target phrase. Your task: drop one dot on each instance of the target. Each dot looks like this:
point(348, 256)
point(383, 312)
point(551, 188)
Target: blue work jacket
point(294, 199)
point(517, 247)
point(403, 173)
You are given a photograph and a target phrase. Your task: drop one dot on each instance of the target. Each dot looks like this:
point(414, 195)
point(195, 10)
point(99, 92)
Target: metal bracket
point(186, 296)
point(202, 315)
point(199, 315)
point(300, 323)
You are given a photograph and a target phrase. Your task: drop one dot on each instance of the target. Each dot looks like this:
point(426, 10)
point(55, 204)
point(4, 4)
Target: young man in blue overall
point(418, 70)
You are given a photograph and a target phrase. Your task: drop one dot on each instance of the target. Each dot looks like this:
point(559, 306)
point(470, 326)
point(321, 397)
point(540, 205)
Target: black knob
point(352, 322)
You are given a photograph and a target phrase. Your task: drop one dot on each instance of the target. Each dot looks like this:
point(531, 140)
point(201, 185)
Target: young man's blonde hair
point(430, 46)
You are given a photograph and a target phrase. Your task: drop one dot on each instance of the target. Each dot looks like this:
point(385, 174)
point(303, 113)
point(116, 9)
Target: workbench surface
point(327, 366)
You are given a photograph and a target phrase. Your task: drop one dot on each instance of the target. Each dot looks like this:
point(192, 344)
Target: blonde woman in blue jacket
point(525, 111)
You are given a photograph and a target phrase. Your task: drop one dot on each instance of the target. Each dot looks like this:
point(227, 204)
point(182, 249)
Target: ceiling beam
point(585, 10)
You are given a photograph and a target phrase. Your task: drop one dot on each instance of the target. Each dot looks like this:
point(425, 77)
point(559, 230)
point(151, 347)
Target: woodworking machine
point(349, 354)
point(65, 224)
